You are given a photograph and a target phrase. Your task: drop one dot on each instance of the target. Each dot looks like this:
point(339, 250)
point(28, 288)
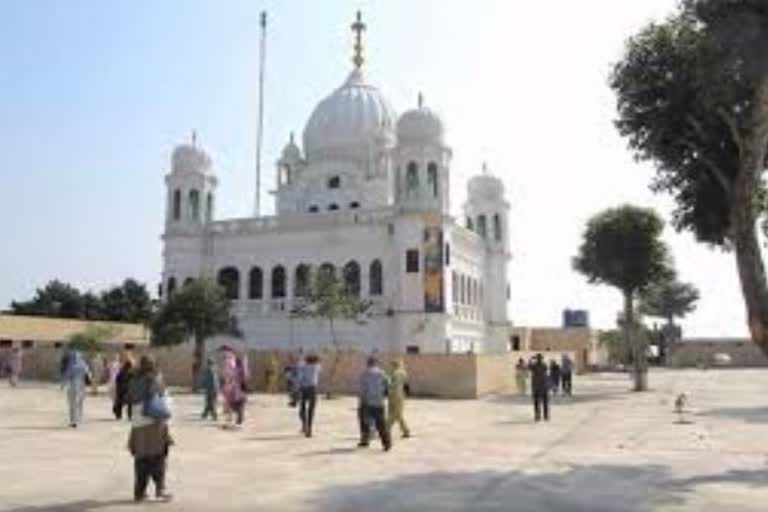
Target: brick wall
point(743, 352)
point(438, 375)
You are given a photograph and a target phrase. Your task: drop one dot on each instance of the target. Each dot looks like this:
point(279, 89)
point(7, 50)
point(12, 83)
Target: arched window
point(278, 282)
point(352, 278)
point(447, 255)
point(194, 205)
point(354, 205)
point(469, 224)
point(256, 284)
point(455, 286)
point(171, 286)
point(176, 204)
point(188, 281)
point(229, 278)
point(328, 269)
point(375, 278)
point(481, 227)
point(412, 177)
point(313, 209)
point(334, 182)
point(497, 227)
point(301, 281)
point(333, 206)
point(462, 290)
point(432, 177)
point(209, 207)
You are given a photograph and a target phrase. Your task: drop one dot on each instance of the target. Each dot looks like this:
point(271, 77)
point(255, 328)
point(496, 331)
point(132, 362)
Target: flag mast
point(260, 127)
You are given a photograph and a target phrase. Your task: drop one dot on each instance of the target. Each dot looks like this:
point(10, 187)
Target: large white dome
point(349, 119)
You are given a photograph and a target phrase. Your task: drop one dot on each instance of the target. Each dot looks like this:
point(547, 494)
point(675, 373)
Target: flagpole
point(260, 127)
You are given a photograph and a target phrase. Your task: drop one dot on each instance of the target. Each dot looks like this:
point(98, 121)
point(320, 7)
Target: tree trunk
point(745, 211)
point(336, 358)
point(197, 362)
point(639, 366)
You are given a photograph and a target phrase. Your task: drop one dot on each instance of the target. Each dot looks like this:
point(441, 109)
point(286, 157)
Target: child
point(150, 438)
point(149, 446)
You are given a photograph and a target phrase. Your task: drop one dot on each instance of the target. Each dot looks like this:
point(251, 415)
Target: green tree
point(332, 299)
point(92, 338)
point(622, 247)
point(668, 299)
point(129, 302)
point(56, 299)
point(198, 311)
point(693, 99)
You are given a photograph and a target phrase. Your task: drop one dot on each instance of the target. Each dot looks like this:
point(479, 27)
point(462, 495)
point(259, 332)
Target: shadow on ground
point(559, 400)
point(79, 506)
point(748, 414)
point(598, 488)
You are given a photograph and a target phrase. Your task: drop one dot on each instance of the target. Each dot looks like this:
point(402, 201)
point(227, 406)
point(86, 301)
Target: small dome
point(350, 118)
point(190, 158)
point(485, 186)
point(420, 125)
point(291, 151)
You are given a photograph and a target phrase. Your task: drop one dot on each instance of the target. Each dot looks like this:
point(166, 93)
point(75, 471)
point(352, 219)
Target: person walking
point(113, 368)
point(521, 376)
point(566, 368)
point(271, 374)
point(122, 388)
point(554, 376)
point(539, 388)
point(232, 388)
point(14, 366)
point(309, 378)
point(291, 379)
point(373, 388)
point(209, 382)
point(398, 379)
point(243, 374)
point(75, 379)
point(150, 438)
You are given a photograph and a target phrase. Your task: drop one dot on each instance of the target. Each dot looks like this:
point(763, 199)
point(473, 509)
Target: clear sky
point(94, 96)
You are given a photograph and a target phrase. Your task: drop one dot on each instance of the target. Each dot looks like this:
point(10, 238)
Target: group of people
point(134, 387)
point(545, 380)
point(230, 379)
point(381, 395)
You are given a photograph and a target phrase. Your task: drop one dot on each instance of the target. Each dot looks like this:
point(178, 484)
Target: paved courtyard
point(605, 450)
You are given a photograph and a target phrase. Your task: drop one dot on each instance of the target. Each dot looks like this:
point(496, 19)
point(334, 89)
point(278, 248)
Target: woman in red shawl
point(233, 376)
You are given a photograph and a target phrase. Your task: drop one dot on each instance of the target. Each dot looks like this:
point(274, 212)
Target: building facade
point(367, 197)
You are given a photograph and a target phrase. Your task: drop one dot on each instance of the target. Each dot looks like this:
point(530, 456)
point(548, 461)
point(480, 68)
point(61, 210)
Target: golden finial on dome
point(358, 27)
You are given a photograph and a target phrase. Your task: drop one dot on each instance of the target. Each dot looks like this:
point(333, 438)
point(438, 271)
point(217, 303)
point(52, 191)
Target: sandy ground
point(604, 450)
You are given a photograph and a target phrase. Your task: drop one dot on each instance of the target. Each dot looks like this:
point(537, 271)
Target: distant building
point(575, 318)
point(38, 331)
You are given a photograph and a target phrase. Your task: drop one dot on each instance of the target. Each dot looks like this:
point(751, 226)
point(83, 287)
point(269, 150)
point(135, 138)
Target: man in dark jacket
point(539, 387)
point(372, 399)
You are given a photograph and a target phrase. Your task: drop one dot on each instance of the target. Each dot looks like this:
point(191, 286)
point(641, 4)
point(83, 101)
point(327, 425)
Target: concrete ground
point(604, 450)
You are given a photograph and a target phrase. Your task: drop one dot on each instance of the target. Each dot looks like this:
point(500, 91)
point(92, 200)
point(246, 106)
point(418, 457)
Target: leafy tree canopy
point(669, 299)
point(622, 247)
point(128, 302)
point(685, 91)
point(198, 310)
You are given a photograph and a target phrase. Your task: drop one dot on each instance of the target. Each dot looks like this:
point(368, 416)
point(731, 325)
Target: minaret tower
point(487, 213)
point(190, 189)
point(422, 161)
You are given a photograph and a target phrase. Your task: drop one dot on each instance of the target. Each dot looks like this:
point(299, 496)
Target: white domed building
point(368, 195)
